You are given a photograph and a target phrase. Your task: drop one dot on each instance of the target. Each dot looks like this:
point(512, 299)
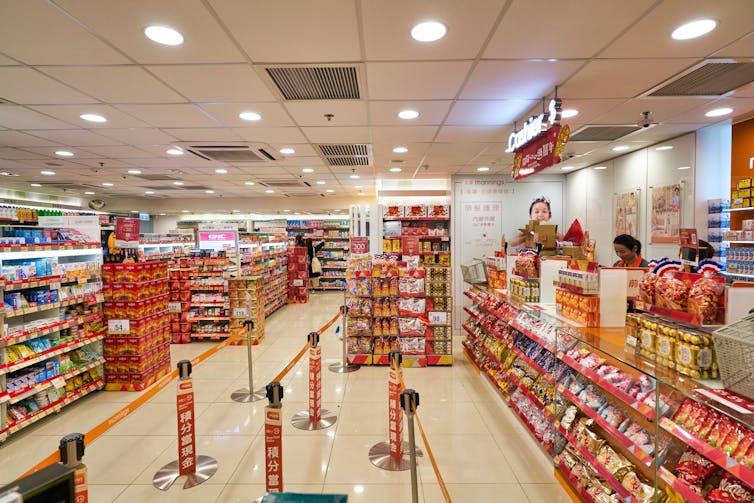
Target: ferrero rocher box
point(246, 295)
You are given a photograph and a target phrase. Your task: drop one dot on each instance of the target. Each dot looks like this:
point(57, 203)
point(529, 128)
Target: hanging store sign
point(533, 127)
point(541, 152)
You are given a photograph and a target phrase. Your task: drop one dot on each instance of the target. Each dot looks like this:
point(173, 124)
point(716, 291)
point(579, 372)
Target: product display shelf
point(41, 331)
point(37, 387)
point(46, 355)
point(683, 488)
point(532, 430)
point(571, 479)
point(205, 316)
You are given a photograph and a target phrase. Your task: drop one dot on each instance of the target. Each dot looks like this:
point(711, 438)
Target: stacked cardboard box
point(247, 303)
point(180, 296)
point(437, 287)
point(298, 275)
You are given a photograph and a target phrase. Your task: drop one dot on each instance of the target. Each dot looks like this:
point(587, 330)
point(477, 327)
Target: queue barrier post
point(246, 395)
point(316, 418)
point(273, 438)
point(196, 468)
point(409, 403)
point(343, 367)
point(71, 449)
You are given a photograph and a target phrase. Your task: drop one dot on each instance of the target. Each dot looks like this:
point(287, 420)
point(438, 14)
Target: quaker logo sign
point(537, 149)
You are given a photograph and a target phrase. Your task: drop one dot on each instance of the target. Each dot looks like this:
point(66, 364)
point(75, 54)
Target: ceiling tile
point(527, 80)
point(663, 110)
point(138, 136)
point(170, 116)
point(651, 35)
point(76, 137)
point(570, 30)
point(123, 24)
point(32, 31)
point(273, 115)
point(5, 60)
point(345, 112)
point(17, 153)
point(115, 84)
point(27, 86)
point(306, 31)
point(741, 108)
point(469, 113)
point(49, 153)
point(388, 36)
point(399, 134)
point(336, 134)
point(15, 117)
point(72, 114)
point(271, 134)
point(203, 134)
point(215, 83)
point(385, 113)
point(742, 48)
point(455, 154)
point(621, 78)
point(416, 81)
point(119, 151)
point(18, 139)
point(470, 134)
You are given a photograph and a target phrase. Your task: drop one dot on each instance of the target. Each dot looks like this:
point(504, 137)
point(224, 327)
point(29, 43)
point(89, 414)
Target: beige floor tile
point(350, 463)
point(475, 493)
point(525, 456)
point(153, 419)
point(230, 419)
point(205, 391)
point(19, 453)
point(297, 387)
point(363, 419)
point(78, 417)
point(119, 459)
point(551, 493)
point(373, 493)
point(204, 493)
point(245, 493)
point(450, 418)
point(105, 493)
point(468, 459)
point(367, 390)
point(292, 408)
point(219, 370)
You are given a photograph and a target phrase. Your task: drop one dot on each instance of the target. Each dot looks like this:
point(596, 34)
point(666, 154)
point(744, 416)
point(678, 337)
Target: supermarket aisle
point(481, 448)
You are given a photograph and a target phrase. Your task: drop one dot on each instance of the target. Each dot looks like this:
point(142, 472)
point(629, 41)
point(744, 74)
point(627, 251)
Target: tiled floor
point(483, 452)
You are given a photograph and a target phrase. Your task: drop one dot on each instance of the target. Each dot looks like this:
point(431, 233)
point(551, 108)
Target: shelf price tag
point(58, 382)
point(240, 312)
point(118, 327)
point(174, 307)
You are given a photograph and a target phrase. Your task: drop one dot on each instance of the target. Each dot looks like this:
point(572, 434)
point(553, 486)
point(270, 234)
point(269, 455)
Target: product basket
point(734, 345)
point(475, 272)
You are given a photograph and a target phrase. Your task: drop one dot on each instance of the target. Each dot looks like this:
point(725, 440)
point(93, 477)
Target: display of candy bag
point(704, 298)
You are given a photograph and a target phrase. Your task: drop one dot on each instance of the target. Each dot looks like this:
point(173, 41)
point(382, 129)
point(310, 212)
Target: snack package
point(704, 298)
point(671, 293)
point(731, 490)
point(648, 287)
point(411, 306)
point(694, 469)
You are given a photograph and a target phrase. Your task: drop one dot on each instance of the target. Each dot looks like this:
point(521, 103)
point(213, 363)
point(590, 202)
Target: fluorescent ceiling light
point(269, 191)
point(178, 183)
point(47, 172)
point(358, 186)
point(89, 193)
point(329, 191)
point(221, 171)
point(684, 167)
point(93, 118)
point(250, 116)
point(428, 31)
point(184, 211)
point(664, 147)
point(400, 150)
point(107, 184)
point(134, 211)
point(149, 192)
point(621, 148)
point(568, 113)
point(248, 183)
point(483, 168)
point(163, 214)
point(354, 176)
point(174, 151)
point(287, 151)
point(209, 191)
point(395, 170)
point(307, 170)
point(64, 153)
point(566, 168)
point(694, 29)
point(718, 112)
point(408, 114)
point(321, 182)
point(134, 171)
point(600, 167)
point(39, 185)
point(163, 35)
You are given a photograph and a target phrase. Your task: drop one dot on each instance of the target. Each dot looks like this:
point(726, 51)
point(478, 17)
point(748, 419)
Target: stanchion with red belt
point(390, 455)
point(316, 418)
point(71, 452)
point(273, 438)
point(343, 367)
point(197, 469)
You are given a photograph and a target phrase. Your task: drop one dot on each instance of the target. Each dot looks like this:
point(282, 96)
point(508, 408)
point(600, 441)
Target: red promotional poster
point(541, 151)
point(315, 384)
point(359, 244)
point(81, 492)
point(273, 448)
point(127, 229)
point(186, 442)
point(395, 412)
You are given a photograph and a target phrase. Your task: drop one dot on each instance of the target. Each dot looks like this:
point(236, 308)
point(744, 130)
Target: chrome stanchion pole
point(409, 403)
point(316, 418)
point(343, 367)
point(246, 395)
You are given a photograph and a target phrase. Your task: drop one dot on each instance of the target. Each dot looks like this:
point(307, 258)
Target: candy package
point(647, 287)
point(694, 469)
point(411, 306)
point(731, 490)
point(611, 459)
point(704, 298)
point(671, 293)
point(412, 326)
point(357, 326)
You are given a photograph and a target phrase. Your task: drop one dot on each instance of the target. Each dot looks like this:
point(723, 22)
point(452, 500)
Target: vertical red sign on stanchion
point(273, 439)
point(395, 412)
point(186, 440)
point(315, 384)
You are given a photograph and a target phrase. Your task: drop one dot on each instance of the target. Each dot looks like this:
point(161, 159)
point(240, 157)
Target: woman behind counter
point(628, 249)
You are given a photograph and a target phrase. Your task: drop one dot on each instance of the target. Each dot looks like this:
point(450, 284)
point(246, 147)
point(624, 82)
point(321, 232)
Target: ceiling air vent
point(603, 133)
point(284, 183)
point(711, 78)
point(357, 154)
point(316, 82)
point(230, 153)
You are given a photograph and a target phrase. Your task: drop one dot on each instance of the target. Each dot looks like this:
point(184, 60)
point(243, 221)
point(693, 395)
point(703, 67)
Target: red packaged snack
point(683, 411)
point(696, 411)
point(719, 431)
point(748, 458)
point(735, 435)
point(731, 490)
point(712, 417)
point(694, 469)
point(647, 287)
point(743, 445)
point(704, 298)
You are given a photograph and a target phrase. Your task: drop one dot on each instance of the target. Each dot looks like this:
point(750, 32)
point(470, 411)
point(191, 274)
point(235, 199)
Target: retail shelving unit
point(613, 420)
point(170, 248)
point(209, 313)
point(422, 230)
point(269, 260)
point(334, 255)
point(51, 329)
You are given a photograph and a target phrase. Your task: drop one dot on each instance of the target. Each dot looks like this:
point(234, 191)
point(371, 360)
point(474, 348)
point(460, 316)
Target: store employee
point(628, 249)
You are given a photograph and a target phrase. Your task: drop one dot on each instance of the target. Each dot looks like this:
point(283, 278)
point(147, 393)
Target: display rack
point(616, 424)
point(247, 301)
point(268, 259)
point(51, 325)
point(181, 287)
point(209, 314)
point(334, 255)
point(298, 275)
point(167, 247)
point(422, 230)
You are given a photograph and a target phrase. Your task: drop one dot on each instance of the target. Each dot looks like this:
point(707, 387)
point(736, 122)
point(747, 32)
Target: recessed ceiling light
point(250, 116)
point(354, 176)
point(184, 211)
point(566, 168)
point(163, 214)
point(600, 167)
point(483, 168)
point(221, 171)
point(400, 150)
point(287, 151)
point(684, 167)
point(47, 172)
point(149, 192)
point(248, 183)
point(358, 186)
point(209, 191)
point(64, 153)
point(93, 118)
point(269, 191)
point(621, 148)
point(718, 112)
point(36, 184)
point(361, 193)
point(568, 113)
point(664, 147)
point(134, 211)
point(134, 171)
point(107, 184)
point(287, 211)
point(321, 182)
point(395, 170)
point(329, 191)
point(89, 193)
point(408, 114)
point(428, 31)
point(307, 170)
point(174, 151)
point(177, 183)
point(694, 29)
point(163, 35)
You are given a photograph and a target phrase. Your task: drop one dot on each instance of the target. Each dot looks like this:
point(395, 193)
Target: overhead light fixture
point(483, 168)
point(163, 35)
point(134, 211)
point(39, 185)
point(664, 147)
point(248, 183)
point(174, 151)
point(621, 148)
point(568, 113)
point(684, 167)
point(221, 171)
point(566, 168)
point(269, 191)
point(286, 211)
point(361, 193)
point(354, 176)
point(600, 167)
point(184, 211)
point(250, 116)
point(93, 118)
point(149, 192)
point(209, 191)
point(400, 150)
point(358, 186)
point(694, 29)
point(395, 169)
point(47, 172)
point(307, 170)
point(163, 214)
point(287, 151)
point(178, 183)
point(89, 193)
point(321, 182)
point(107, 184)
point(428, 31)
point(329, 191)
point(408, 114)
point(64, 153)
point(134, 171)
point(718, 112)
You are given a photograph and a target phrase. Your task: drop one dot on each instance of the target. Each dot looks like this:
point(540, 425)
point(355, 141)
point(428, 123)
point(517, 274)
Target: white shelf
point(739, 242)
point(740, 275)
point(15, 255)
point(751, 208)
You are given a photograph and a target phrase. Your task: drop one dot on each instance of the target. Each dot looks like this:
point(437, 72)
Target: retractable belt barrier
point(158, 386)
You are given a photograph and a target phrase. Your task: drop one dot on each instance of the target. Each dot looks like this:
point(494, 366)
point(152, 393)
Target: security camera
point(646, 120)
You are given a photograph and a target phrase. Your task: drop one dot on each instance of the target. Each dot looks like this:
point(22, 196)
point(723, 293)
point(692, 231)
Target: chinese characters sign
point(186, 442)
point(273, 449)
point(541, 152)
point(315, 384)
point(395, 414)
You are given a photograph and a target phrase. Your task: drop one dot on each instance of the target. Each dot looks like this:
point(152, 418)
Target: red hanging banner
point(127, 229)
point(395, 412)
point(359, 244)
point(273, 449)
point(186, 440)
point(315, 384)
point(540, 152)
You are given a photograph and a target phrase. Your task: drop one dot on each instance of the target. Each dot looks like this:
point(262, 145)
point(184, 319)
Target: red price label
point(315, 383)
point(359, 244)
